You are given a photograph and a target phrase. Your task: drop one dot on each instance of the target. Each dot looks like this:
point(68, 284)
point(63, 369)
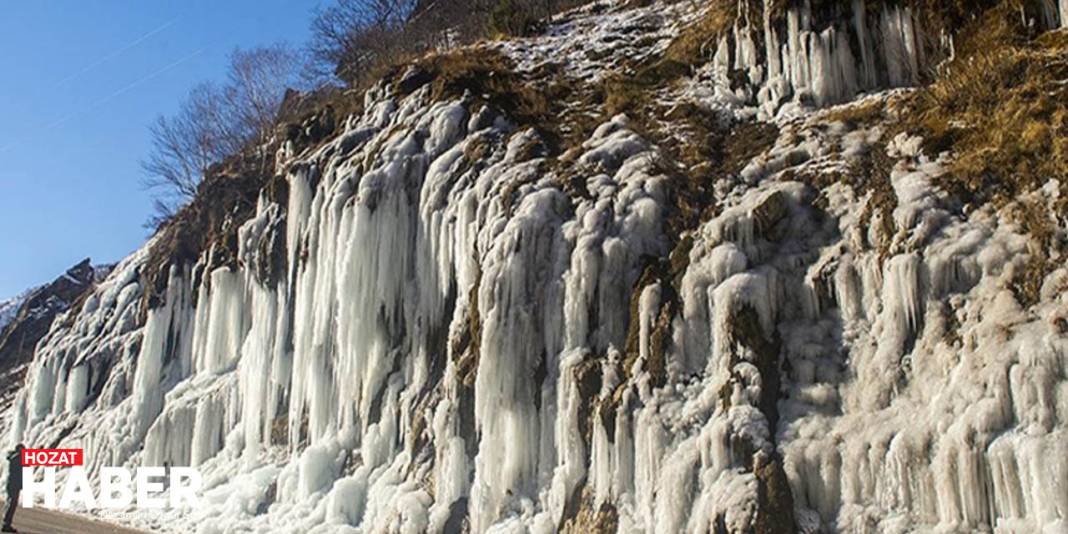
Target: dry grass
point(979, 25)
point(1004, 116)
point(696, 43)
point(864, 114)
point(1042, 255)
point(635, 93)
point(307, 119)
point(627, 94)
point(544, 99)
point(698, 145)
point(1001, 112)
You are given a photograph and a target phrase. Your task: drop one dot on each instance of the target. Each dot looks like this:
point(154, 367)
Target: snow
point(9, 308)
point(448, 340)
point(587, 40)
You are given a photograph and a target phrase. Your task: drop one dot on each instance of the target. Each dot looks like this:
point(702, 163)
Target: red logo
point(52, 457)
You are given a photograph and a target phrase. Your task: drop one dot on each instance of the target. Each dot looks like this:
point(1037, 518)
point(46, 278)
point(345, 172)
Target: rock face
point(815, 52)
point(442, 318)
point(31, 316)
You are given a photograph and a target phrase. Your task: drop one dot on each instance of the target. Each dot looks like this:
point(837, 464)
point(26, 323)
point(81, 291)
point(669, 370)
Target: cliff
point(664, 268)
point(26, 319)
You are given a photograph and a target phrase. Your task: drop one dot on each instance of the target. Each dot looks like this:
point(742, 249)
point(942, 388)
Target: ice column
point(511, 350)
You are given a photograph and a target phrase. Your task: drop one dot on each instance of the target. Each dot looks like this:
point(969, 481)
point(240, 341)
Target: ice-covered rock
point(27, 318)
point(436, 326)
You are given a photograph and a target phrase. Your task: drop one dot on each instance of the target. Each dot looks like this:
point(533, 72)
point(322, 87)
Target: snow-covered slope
point(9, 307)
point(441, 324)
point(25, 319)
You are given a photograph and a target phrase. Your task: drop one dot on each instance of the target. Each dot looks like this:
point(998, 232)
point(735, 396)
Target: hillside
point(779, 266)
point(27, 318)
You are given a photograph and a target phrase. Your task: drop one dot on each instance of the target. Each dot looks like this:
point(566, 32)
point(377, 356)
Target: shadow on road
point(41, 521)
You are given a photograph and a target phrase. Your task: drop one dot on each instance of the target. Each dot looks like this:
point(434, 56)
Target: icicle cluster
point(789, 56)
point(814, 62)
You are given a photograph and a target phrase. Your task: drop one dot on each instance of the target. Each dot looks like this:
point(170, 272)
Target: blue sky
point(80, 81)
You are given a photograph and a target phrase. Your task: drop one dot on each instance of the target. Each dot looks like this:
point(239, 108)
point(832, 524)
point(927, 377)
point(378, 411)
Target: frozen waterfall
point(434, 328)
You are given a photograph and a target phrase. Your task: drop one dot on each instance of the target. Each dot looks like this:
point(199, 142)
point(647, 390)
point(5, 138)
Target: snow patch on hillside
point(9, 308)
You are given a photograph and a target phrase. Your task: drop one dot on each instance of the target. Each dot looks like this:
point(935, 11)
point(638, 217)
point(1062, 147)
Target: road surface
point(40, 521)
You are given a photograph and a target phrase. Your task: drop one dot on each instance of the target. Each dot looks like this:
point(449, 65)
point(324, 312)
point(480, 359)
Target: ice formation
point(815, 58)
point(458, 342)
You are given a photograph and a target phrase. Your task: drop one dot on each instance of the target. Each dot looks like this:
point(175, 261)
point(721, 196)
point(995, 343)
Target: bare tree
point(352, 35)
point(258, 79)
point(215, 122)
point(186, 143)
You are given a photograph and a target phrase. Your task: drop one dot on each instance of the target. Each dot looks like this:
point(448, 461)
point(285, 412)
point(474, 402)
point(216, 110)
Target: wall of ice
point(454, 336)
point(783, 55)
point(798, 55)
point(396, 240)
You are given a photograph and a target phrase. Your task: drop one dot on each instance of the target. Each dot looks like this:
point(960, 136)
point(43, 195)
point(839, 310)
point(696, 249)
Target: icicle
point(425, 357)
point(226, 322)
point(77, 389)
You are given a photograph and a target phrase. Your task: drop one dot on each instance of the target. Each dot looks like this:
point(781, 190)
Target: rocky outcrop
point(34, 317)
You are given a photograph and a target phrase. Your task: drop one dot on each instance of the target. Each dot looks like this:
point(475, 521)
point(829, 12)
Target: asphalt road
point(40, 521)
